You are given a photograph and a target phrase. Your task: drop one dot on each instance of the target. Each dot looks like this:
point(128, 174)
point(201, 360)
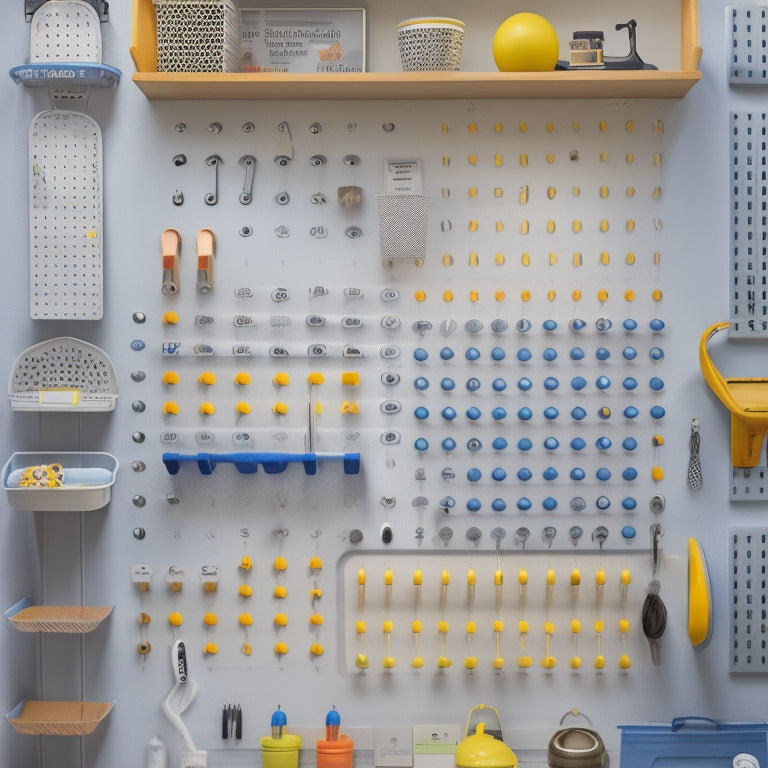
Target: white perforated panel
point(65, 30)
point(65, 217)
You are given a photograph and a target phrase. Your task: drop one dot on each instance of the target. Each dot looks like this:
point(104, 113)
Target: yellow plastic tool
point(745, 398)
point(699, 597)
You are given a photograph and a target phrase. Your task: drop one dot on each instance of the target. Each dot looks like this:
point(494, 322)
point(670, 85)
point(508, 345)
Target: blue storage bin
point(693, 742)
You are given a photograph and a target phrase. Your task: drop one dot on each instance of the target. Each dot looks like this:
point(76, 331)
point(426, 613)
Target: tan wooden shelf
point(641, 84)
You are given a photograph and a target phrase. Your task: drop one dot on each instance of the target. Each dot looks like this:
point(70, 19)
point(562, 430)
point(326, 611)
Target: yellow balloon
point(526, 42)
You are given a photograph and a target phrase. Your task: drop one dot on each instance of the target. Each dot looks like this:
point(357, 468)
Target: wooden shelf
point(637, 84)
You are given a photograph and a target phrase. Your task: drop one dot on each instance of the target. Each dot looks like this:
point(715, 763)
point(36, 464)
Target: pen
point(239, 723)
point(332, 723)
point(224, 722)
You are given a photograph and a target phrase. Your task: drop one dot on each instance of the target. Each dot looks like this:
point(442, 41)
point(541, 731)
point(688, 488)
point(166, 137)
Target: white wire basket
point(198, 35)
point(430, 44)
point(63, 374)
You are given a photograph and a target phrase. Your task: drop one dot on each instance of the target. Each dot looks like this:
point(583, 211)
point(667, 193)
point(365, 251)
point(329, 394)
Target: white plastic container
point(88, 480)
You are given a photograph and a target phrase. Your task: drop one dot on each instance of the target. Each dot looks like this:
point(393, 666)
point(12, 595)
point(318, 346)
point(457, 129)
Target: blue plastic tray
point(692, 742)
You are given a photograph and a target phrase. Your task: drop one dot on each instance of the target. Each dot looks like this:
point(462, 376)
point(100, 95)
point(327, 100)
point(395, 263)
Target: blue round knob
point(629, 353)
point(656, 324)
point(498, 505)
point(448, 384)
point(656, 384)
point(657, 412)
point(524, 504)
point(549, 503)
point(421, 444)
point(551, 444)
point(473, 353)
point(577, 353)
point(499, 385)
point(631, 412)
point(551, 413)
point(421, 383)
point(474, 505)
point(630, 324)
point(629, 383)
point(656, 353)
point(446, 353)
point(551, 383)
point(550, 473)
point(499, 413)
point(449, 444)
point(577, 473)
point(420, 354)
point(578, 383)
point(629, 503)
point(473, 413)
point(549, 354)
point(524, 474)
point(524, 354)
point(524, 414)
point(578, 413)
point(602, 353)
point(603, 382)
point(499, 474)
point(549, 325)
point(578, 443)
point(524, 383)
point(628, 532)
point(499, 443)
point(576, 324)
point(524, 444)
point(603, 474)
point(629, 474)
point(497, 353)
point(474, 474)
point(473, 384)
point(421, 412)
point(449, 413)
point(603, 443)
point(629, 444)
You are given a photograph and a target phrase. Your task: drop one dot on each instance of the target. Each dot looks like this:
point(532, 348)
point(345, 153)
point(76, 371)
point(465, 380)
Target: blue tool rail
point(273, 463)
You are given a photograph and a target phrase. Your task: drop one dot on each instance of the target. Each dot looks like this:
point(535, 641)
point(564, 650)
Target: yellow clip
point(699, 597)
point(745, 398)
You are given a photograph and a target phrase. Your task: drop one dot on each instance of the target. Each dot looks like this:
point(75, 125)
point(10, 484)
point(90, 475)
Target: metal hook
point(213, 161)
point(249, 163)
point(285, 146)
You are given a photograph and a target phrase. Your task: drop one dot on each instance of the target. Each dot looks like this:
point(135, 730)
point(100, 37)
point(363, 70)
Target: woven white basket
point(198, 35)
point(430, 44)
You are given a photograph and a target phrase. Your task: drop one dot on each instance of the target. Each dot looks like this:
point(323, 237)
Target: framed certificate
point(303, 40)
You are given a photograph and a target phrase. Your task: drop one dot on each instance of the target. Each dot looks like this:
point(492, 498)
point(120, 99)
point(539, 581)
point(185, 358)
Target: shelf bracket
point(101, 7)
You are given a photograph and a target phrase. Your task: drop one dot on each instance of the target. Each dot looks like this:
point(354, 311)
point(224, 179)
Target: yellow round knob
point(280, 620)
point(175, 619)
point(360, 627)
point(388, 662)
point(600, 662)
point(170, 318)
point(471, 627)
point(657, 473)
point(443, 662)
point(282, 379)
point(246, 563)
point(207, 409)
point(170, 377)
point(316, 649)
point(207, 377)
point(470, 662)
point(246, 649)
point(386, 627)
point(361, 661)
point(280, 563)
point(498, 626)
point(315, 563)
point(281, 648)
point(442, 626)
point(498, 662)
point(420, 296)
point(242, 378)
point(575, 662)
point(280, 592)
point(171, 408)
point(575, 626)
point(210, 619)
point(316, 619)
point(417, 662)
point(243, 408)
point(416, 627)
point(245, 590)
point(245, 619)
point(523, 626)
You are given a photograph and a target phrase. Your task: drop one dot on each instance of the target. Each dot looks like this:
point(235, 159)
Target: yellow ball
point(526, 42)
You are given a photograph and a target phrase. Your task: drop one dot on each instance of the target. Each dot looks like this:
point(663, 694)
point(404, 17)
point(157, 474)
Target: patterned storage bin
point(197, 35)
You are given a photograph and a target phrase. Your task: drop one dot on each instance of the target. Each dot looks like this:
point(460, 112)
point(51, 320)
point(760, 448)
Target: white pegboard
point(747, 39)
point(749, 257)
point(65, 31)
point(65, 217)
point(748, 646)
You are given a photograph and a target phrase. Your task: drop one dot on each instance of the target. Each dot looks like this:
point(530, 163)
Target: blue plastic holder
point(273, 463)
point(58, 74)
point(695, 742)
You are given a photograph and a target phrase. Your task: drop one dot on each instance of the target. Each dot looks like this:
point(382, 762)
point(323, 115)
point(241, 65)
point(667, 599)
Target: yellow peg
point(361, 589)
point(388, 588)
point(549, 661)
point(523, 660)
point(498, 628)
point(471, 581)
point(445, 580)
